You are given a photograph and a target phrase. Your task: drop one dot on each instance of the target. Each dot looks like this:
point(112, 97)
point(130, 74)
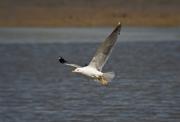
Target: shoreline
point(88, 17)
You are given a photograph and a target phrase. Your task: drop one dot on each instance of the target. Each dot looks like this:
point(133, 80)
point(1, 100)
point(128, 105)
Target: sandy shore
point(80, 15)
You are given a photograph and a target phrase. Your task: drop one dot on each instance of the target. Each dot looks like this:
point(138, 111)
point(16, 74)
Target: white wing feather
point(73, 65)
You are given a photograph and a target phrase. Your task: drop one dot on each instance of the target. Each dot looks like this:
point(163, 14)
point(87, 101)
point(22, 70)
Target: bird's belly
point(92, 74)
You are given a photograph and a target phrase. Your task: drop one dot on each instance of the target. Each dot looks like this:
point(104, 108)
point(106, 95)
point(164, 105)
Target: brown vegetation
point(89, 13)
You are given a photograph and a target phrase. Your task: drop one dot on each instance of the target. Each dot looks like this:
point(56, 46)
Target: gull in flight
point(94, 68)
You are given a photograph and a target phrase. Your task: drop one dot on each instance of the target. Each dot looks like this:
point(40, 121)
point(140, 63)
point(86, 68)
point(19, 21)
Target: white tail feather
point(109, 76)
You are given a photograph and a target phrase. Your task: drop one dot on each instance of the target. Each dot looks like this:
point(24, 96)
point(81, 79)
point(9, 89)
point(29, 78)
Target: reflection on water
point(35, 87)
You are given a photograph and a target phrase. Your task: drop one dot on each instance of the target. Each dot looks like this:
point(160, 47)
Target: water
point(35, 87)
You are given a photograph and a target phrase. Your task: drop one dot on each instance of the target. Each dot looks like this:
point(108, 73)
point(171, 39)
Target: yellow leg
point(103, 81)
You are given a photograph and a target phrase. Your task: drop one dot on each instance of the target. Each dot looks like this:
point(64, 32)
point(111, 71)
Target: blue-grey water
point(34, 87)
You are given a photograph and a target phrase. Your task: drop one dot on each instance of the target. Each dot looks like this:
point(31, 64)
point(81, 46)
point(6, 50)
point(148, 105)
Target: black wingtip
point(62, 60)
point(118, 27)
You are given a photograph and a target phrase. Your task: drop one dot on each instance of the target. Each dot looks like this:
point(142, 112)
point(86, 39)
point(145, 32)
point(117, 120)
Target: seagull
point(94, 68)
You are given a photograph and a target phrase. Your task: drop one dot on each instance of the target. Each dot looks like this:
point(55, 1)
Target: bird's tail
point(109, 76)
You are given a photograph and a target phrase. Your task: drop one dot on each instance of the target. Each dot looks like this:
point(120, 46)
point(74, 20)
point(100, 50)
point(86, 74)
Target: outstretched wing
point(63, 61)
point(105, 49)
point(73, 65)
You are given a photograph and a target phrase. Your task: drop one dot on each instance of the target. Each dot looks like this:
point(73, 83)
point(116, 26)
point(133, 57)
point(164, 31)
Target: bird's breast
point(91, 72)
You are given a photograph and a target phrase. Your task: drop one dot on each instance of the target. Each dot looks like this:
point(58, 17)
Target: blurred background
point(58, 13)
point(35, 87)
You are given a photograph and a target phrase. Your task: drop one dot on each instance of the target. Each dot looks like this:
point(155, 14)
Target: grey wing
point(63, 61)
point(105, 49)
point(73, 65)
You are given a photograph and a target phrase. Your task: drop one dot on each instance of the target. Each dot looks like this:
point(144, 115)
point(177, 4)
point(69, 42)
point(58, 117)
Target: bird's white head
point(77, 70)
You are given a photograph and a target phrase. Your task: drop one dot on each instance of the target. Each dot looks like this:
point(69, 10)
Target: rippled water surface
point(34, 87)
